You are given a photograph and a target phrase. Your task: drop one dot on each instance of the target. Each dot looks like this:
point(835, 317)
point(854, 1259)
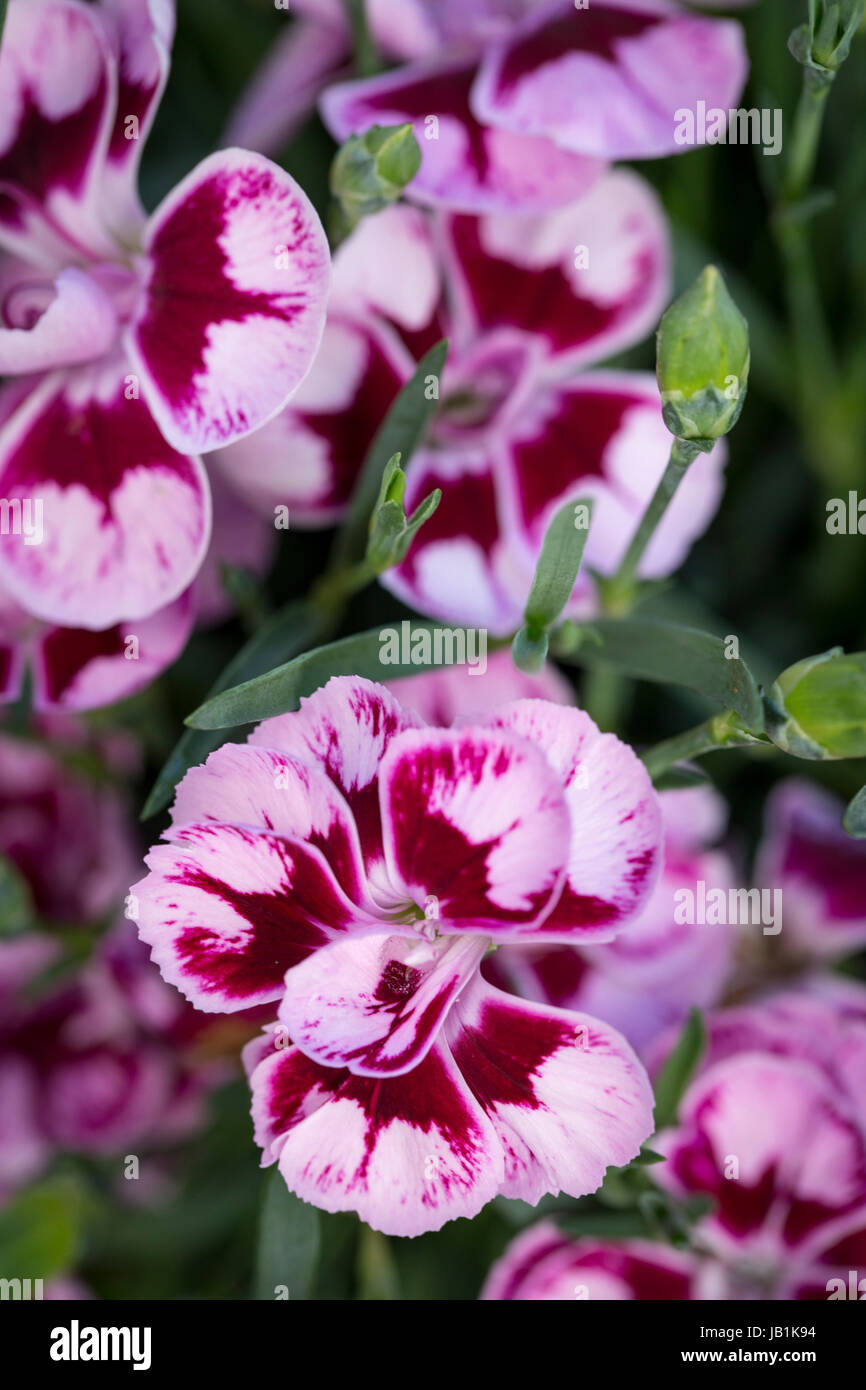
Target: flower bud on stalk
point(371, 170)
point(702, 361)
point(817, 708)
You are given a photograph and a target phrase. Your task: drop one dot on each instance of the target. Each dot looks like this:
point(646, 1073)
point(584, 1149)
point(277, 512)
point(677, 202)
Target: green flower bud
point(371, 170)
point(817, 708)
point(702, 361)
point(823, 43)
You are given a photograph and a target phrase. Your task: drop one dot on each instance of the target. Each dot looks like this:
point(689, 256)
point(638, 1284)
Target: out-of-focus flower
point(69, 837)
point(354, 866)
point(76, 668)
point(820, 871)
point(452, 693)
point(773, 1129)
point(139, 343)
point(525, 303)
point(518, 106)
point(93, 1063)
point(543, 1264)
point(650, 976)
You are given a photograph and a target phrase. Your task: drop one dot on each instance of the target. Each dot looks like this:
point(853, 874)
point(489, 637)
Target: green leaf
point(680, 776)
point(282, 636)
point(281, 690)
point(613, 1225)
point(678, 1070)
point(40, 1230)
point(647, 1157)
point(558, 565)
point(289, 1241)
point(854, 819)
point(654, 650)
point(400, 433)
point(17, 911)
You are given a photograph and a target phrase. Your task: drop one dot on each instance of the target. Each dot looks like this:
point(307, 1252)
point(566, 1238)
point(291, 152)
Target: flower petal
point(76, 669)
point(407, 1154)
point(566, 1094)
point(255, 786)
point(590, 279)
point(460, 567)
point(801, 1159)
point(376, 1005)
point(474, 819)
point(308, 458)
point(78, 326)
point(344, 729)
point(235, 301)
point(126, 518)
point(609, 81)
point(466, 166)
point(284, 90)
point(389, 265)
point(603, 437)
point(228, 910)
point(615, 849)
point(142, 32)
point(543, 1264)
point(56, 108)
point(440, 697)
point(819, 869)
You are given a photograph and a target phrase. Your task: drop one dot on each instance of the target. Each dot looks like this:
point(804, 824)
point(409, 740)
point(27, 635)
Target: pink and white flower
point(543, 1265)
point(93, 1063)
point(517, 433)
point(649, 977)
point(354, 866)
point(142, 343)
point(820, 870)
point(773, 1129)
point(519, 106)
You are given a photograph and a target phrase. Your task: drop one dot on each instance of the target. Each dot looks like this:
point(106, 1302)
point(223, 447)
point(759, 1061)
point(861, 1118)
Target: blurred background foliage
point(766, 571)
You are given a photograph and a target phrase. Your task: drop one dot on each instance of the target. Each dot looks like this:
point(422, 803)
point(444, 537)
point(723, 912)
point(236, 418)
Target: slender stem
point(803, 147)
point(682, 454)
point(723, 730)
point(690, 744)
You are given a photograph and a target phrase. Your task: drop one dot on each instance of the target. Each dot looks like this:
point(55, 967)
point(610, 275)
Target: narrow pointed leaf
point(283, 635)
point(366, 654)
point(289, 1241)
point(400, 433)
point(654, 650)
point(679, 1069)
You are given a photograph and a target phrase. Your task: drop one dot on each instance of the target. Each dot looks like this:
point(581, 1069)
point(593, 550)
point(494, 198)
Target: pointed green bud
point(823, 43)
point(371, 170)
point(391, 531)
point(702, 361)
point(817, 708)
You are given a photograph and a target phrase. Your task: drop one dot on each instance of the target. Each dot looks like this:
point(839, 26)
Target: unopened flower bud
point(817, 708)
point(702, 360)
point(371, 170)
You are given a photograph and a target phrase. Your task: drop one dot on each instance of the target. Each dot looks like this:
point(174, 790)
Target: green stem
point(690, 744)
point(720, 731)
point(682, 454)
point(803, 145)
